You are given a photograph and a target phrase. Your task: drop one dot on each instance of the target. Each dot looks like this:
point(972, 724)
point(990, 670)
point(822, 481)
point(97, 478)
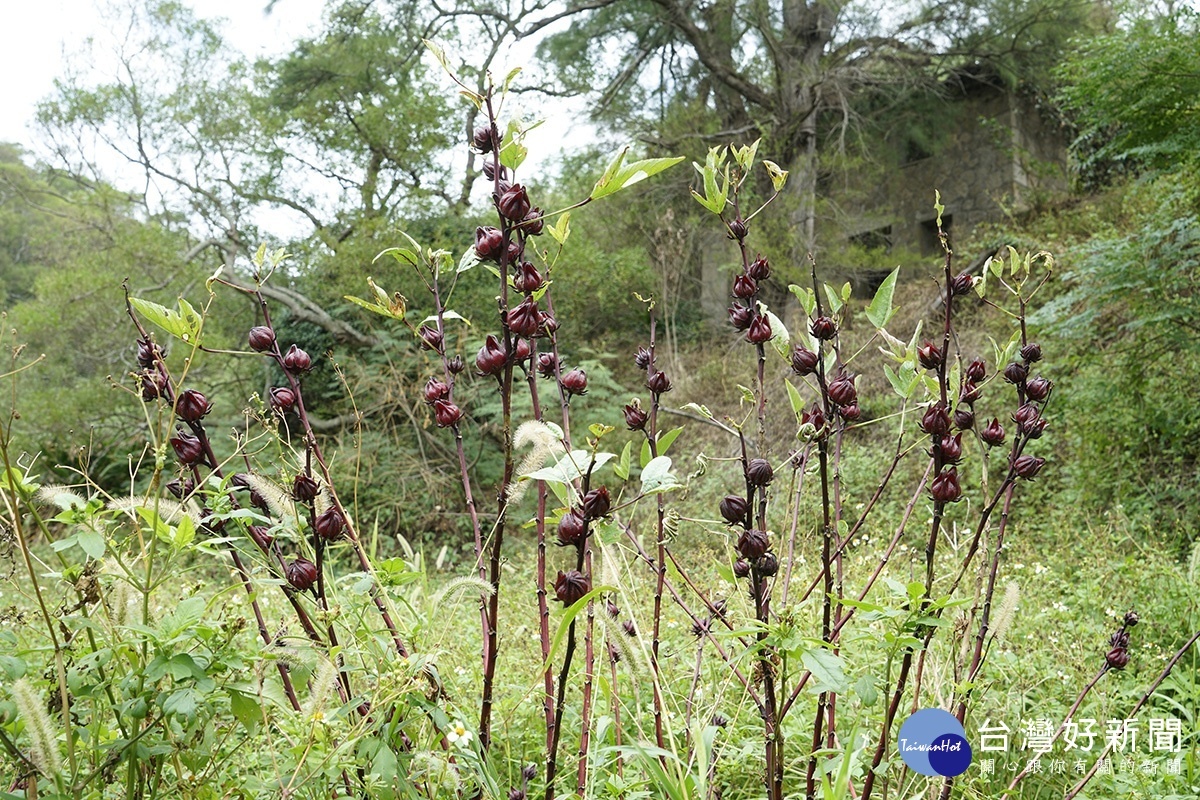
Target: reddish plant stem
point(660, 562)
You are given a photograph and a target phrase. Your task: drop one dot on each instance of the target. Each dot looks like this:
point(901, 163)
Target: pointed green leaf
point(879, 312)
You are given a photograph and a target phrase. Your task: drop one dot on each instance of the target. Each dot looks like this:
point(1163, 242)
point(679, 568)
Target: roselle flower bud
point(492, 357)
point(635, 417)
point(572, 528)
point(305, 489)
point(261, 536)
point(296, 360)
point(261, 338)
point(259, 502)
point(596, 503)
point(489, 243)
point(192, 406)
point(951, 448)
point(993, 433)
point(482, 141)
point(282, 399)
point(435, 390)
point(759, 472)
point(814, 416)
point(964, 418)
point(515, 252)
point(431, 338)
point(976, 371)
point(658, 382)
point(1038, 389)
point(527, 279)
point(700, 627)
point(641, 358)
point(514, 204)
point(629, 628)
point(970, 392)
point(741, 568)
point(850, 413)
point(331, 524)
point(148, 353)
point(529, 772)
point(744, 287)
point(1035, 429)
point(1025, 415)
point(571, 586)
point(1015, 372)
point(180, 489)
point(188, 449)
point(611, 607)
point(804, 361)
point(446, 413)
point(734, 508)
point(154, 385)
point(240, 479)
point(944, 488)
point(523, 320)
point(1119, 638)
point(1028, 466)
point(930, 355)
point(1032, 352)
point(516, 794)
point(936, 421)
point(522, 350)
point(740, 317)
point(842, 391)
point(824, 328)
point(766, 565)
point(759, 331)
point(718, 721)
point(753, 543)
point(489, 170)
point(738, 229)
point(759, 269)
point(961, 283)
point(575, 382)
point(301, 574)
point(547, 364)
point(456, 365)
point(1131, 619)
point(1117, 658)
point(534, 222)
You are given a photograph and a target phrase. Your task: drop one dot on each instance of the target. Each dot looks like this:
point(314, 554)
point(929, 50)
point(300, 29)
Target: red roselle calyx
point(641, 358)
point(993, 433)
point(571, 586)
point(283, 399)
point(154, 384)
point(1038, 389)
point(527, 279)
point(744, 287)
point(850, 413)
point(740, 317)
point(1024, 416)
point(635, 417)
point(738, 229)
point(658, 382)
point(534, 222)
point(1028, 466)
point(759, 472)
point(976, 371)
point(304, 488)
point(446, 413)
point(331, 524)
point(148, 353)
point(804, 361)
point(522, 350)
point(961, 283)
point(489, 170)
point(944, 488)
point(180, 488)
point(188, 449)
point(482, 140)
point(842, 391)
point(1032, 352)
point(596, 503)
point(759, 269)
point(523, 320)
point(759, 331)
point(936, 421)
point(951, 448)
point(766, 565)
point(575, 382)
point(301, 574)
point(489, 242)
point(753, 543)
point(261, 338)
point(296, 360)
point(814, 416)
point(456, 365)
point(1016, 372)
point(734, 508)
point(824, 328)
point(491, 358)
point(929, 355)
point(431, 338)
point(191, 405)
point(547, 364)
point(435, 390)
point(1117, 658)
point(572, 528)
point(741, 568)
point(970, 392)
point(514, 204)
point(964, 418)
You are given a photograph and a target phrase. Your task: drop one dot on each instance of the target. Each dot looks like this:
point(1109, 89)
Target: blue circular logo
point(932, 742)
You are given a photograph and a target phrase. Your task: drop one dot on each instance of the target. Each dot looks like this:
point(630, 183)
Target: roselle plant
point(149, 695)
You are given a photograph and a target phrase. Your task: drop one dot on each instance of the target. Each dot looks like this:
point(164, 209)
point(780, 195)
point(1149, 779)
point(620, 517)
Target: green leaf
point(621, 468)
point(657, 476)
point(182, 703)
point(562, 230)
point(468, 261)
point(778, 176)
point(92, 543)
point(864, 687)
point(565, 623)
point(808, 300)
point(621, 175)
point(245, 709)
point(744, 155)
point(795, 399)
point(827, 670)
point(183, 324)
point(569, 467)
point(666, 439)
point(781, 340)
point(938, 207)
point(835, 302)
point(879, 312)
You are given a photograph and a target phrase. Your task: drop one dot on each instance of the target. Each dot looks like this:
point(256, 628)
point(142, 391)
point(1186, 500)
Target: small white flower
point(458, 734)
